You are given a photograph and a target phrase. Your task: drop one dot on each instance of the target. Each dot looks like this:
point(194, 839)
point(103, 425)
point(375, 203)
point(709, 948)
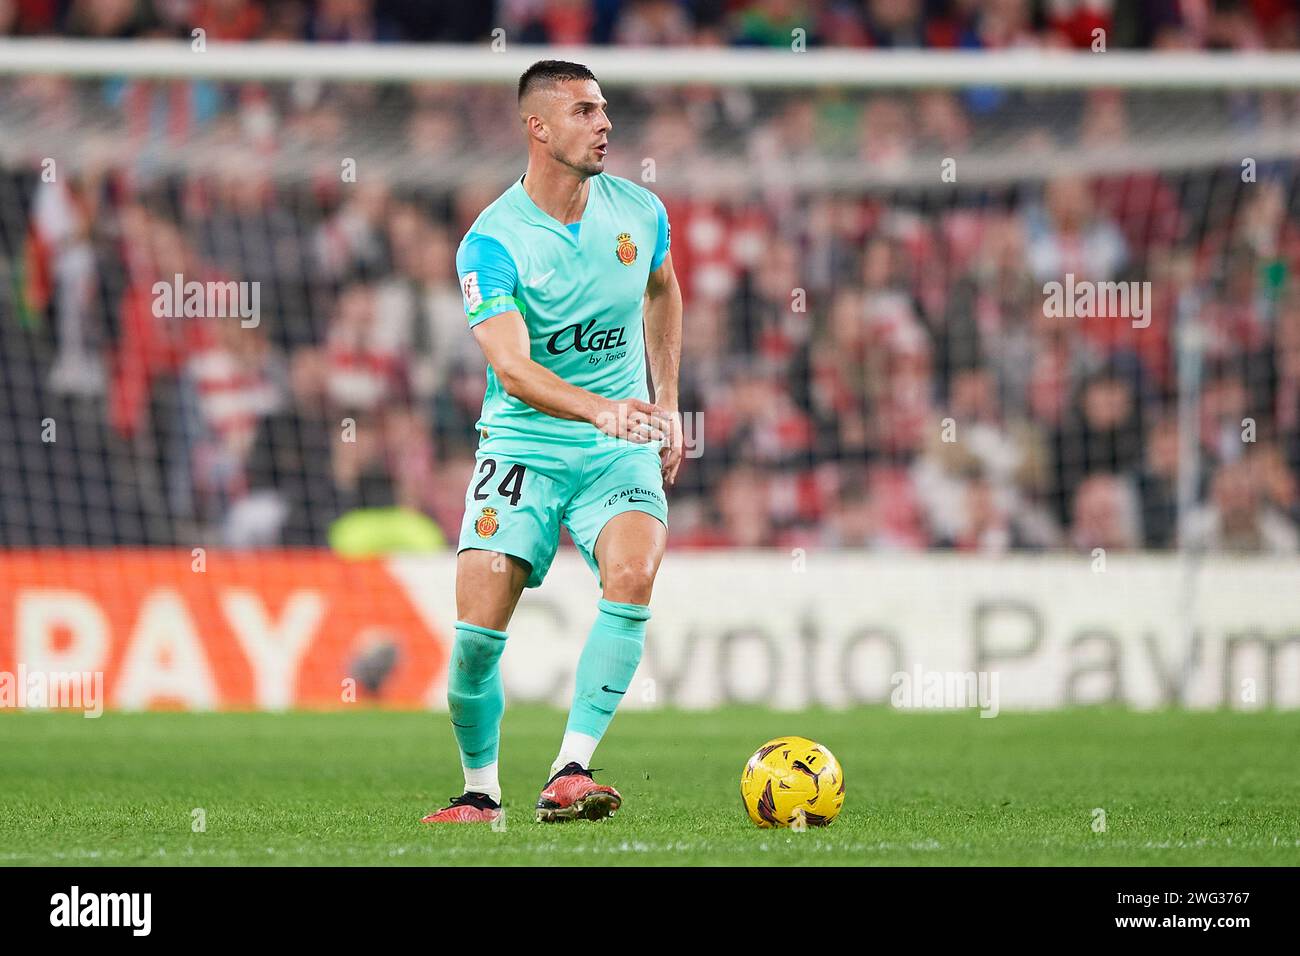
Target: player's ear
point(537, 128)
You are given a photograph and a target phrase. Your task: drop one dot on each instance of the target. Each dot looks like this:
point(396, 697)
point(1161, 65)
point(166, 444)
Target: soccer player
point(568, 287)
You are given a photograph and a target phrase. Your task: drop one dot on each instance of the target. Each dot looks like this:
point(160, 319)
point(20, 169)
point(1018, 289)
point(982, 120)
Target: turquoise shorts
point(523, 489)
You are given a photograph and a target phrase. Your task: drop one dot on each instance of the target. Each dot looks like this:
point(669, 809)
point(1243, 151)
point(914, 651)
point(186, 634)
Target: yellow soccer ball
point(792, 782)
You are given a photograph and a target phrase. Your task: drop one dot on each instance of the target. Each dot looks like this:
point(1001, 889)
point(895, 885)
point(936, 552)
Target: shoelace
point(577, 771)
point(476, 800)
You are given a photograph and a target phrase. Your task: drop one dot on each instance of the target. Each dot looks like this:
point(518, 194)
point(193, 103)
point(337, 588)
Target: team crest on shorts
point(487, 524)
point(626, 249)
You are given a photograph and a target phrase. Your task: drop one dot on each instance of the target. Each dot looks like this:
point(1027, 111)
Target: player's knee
point(630, 581)
point(474, 654)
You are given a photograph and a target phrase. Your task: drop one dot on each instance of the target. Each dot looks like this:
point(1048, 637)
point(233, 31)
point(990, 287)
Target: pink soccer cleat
point(572, 795)
point(467, 808)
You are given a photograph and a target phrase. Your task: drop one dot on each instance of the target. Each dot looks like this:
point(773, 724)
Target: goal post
point(495, 63)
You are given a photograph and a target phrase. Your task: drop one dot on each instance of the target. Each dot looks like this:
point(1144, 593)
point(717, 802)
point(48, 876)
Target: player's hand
point(670, 454)
point(634, 420)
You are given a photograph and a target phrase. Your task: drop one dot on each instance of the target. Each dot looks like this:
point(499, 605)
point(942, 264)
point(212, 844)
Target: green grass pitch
point(349, 788)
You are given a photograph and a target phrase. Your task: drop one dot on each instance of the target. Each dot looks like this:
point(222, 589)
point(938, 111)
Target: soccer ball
point(792, 782)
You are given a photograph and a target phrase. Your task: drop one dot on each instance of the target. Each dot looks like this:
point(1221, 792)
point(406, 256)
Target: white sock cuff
point(483, 780)
point(575, 748)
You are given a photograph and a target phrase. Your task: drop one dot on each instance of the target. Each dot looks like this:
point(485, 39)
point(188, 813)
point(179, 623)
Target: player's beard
point(583, 166)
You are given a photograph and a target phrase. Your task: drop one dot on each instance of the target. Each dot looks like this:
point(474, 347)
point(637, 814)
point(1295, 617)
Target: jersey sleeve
point(662, 241)
point(487, 278)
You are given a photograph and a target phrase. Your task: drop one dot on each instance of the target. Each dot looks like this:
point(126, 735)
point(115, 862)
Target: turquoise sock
point(605, 669)
point(475, 695)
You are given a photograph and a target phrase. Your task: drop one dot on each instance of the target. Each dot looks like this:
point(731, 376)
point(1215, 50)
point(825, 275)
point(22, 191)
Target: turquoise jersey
point(579, 289)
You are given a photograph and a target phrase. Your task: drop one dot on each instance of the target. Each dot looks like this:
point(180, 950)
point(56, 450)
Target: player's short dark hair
point(546, 72)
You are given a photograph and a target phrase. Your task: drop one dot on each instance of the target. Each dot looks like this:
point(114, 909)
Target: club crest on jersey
point(626, 249)
point(487, 524)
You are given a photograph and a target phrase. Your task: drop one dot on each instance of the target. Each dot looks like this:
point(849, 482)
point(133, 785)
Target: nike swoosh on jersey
point(538, 281)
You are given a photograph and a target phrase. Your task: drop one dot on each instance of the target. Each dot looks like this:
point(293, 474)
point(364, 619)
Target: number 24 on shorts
point(511, 486)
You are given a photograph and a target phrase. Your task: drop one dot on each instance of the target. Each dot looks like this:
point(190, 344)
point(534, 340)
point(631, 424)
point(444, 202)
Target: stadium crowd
point(973, 24)
point(872, 368)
